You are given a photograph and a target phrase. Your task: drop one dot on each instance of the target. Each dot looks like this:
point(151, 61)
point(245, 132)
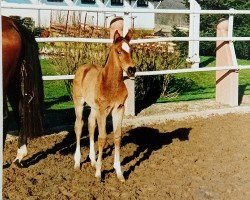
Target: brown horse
point(22, 82)
point(103, 89)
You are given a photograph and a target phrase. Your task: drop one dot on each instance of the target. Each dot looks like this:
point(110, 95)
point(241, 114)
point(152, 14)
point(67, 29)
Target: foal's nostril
point(131, 70)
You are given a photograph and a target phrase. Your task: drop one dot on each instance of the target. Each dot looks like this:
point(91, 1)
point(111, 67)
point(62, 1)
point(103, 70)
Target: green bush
point(67, 57)
point(26, 21)
point(147, 57)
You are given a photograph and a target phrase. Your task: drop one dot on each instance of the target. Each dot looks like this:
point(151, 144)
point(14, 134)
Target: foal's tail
point(32, 85)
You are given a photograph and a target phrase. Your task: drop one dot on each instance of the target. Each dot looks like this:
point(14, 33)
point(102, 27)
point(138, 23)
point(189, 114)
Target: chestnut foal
point(103, 89)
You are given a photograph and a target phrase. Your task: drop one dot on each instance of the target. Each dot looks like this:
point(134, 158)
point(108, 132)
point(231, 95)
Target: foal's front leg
point(117, 115)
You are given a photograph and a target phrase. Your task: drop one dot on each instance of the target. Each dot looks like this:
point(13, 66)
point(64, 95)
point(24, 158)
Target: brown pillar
point(227, 80)
point(116, 24)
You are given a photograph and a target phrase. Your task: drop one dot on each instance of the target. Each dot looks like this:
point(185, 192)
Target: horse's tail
point(32, 85)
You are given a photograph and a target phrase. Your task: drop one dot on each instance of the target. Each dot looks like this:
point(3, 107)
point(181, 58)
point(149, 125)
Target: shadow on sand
point(147, 140)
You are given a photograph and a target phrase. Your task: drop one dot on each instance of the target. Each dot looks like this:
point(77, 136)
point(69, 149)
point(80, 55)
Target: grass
point(56, 96)
point(201, 85)
point(190, 86)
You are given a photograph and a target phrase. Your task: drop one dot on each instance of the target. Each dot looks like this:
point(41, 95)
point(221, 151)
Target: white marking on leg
point(117, 166)
point(21, 153)
point(77, 157)
point(92, 152)
point(98, 166)
point(125, 47)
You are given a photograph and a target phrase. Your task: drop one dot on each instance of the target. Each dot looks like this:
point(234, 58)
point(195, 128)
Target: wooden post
point(130, 83)
point(122, 26)
point(116, 24)
point(226, 81)
point(67, 20)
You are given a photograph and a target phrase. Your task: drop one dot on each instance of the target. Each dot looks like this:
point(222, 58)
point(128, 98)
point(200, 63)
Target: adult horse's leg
point(117, 115)
point(78, 104)
point(92, 126)
point(5, 119)
point(101, 121)
point(15, 99)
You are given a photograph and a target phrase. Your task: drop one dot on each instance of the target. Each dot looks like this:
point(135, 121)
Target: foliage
point(26, 21)
point(67, 57)
point(190, 86)
point(209, 22)
point(37, 31)
point(201, 85)
point(182, 47)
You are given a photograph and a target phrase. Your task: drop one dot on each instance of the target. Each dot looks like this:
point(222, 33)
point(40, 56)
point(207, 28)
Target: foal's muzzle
point(131, 72)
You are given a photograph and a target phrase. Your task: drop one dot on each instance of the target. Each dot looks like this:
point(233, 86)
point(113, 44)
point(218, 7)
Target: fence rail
point(194, 20)
point(120, 10)
point(161, 39)
point(159, 72)
point(193, 39)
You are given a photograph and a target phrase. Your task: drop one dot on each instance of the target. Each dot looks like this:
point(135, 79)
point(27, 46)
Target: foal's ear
point(129, 35)
point(116, 36)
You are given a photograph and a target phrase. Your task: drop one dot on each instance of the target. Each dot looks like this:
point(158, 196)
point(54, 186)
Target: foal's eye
point(119, 52)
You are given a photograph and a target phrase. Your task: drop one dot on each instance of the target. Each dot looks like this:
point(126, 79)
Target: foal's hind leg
point(117, 115)
point(78, 103)
point(92, 126)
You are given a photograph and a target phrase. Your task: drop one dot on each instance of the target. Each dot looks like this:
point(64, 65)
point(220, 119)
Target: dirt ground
point(186, 159)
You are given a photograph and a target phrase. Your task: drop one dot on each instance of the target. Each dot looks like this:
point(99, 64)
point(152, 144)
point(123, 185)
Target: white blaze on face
point(125, 47)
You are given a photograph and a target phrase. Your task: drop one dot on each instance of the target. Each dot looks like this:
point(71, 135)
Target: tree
point(209, 23)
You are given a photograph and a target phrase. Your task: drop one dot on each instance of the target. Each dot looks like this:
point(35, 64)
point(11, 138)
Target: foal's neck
point(113, 71)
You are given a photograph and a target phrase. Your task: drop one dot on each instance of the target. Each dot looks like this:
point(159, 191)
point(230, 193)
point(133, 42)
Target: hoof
point(93, 163)
point(98, 175)
point(121, 178)
point(17, 163)
point(77, 166)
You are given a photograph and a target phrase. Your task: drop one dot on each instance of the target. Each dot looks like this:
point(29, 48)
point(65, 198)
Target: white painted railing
point(193, 38)
point(138, 41)
point(159, 72)
point(118, 10)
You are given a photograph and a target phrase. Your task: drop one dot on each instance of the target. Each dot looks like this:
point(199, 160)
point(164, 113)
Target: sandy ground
point(166, 158)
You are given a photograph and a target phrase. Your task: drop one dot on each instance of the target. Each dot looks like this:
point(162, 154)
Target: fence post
point(130, 84)
point(122, 25)
point(226, 81)
point(194, 32)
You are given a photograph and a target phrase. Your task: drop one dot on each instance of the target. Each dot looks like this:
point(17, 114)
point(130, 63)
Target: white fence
point(193, 38)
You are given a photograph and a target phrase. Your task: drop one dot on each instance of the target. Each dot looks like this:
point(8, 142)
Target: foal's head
point(123, 52)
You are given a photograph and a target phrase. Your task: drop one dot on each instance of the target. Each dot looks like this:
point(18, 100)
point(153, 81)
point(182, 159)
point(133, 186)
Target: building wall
point(141, 20)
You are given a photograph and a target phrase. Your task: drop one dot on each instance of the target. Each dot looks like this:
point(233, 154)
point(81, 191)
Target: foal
point(104, 91)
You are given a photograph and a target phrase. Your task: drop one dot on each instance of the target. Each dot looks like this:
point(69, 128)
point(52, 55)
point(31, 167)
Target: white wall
point(141, 20)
